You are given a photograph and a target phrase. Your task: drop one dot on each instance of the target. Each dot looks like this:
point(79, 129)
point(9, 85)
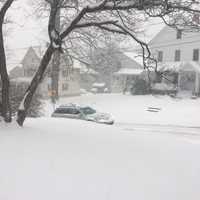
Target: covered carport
point(124, 79)
point(189, 77)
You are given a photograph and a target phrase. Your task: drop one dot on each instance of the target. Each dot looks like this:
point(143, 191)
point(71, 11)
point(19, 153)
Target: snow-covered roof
point(128, 71)
point(187, 66)
point(169, 66)
point(88, 71)
point(21, 80)
point(15, 57)
point(130, 64)
point(167, 36)
point(163, 86)
point(128, 60)
point(179, 66)
point(135, 56)
point(98, 84)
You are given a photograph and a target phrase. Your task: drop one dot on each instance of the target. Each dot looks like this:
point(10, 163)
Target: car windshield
point(88, 110)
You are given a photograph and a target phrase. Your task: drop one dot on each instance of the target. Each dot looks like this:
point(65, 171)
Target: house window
point(177, 56)
point(65, 86)
point(179, 34)
point(160, 56)
point(195, 54)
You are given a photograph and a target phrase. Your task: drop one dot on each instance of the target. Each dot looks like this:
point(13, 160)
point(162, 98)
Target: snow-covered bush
point(139, 87)
point(16, 95)
point(164, 88)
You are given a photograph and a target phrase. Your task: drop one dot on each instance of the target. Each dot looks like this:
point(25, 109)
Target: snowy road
point(53, 158)
point(175, 116)
point(128, 109)
point(160, 129)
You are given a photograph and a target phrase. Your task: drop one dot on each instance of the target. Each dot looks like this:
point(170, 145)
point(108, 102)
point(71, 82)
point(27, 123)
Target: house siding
point(174, 48)
point(72, 81)
point(167, 42)
point(30, 63)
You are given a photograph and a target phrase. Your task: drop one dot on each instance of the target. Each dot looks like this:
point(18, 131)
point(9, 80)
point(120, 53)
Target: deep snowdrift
point(72, 159)
point(128, 109)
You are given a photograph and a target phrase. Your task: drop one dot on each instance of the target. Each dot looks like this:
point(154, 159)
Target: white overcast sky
point(27, 30)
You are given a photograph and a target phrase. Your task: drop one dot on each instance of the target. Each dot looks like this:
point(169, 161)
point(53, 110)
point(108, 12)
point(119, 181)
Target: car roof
point(70, 105)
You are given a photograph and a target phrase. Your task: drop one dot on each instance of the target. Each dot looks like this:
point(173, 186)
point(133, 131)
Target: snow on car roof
point(126, 71)
point(98, 84)
point(67, 105)
point(73, 105)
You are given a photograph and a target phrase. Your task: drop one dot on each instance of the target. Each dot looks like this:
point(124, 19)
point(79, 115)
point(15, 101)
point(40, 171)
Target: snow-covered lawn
point(71, 159)
point(129, 109)
point(51, 158)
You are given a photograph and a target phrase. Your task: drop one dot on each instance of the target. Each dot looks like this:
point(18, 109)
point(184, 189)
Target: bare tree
point(113, 16)
point(55, 66)
point(6, 109)
point(106, 61)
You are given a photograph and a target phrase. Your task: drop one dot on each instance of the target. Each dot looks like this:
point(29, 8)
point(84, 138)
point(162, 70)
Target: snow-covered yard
point(51, 158)
point(133, 109)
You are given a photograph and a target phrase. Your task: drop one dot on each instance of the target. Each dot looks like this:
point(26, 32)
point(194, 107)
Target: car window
point(62, 110)
point(88, 110)
point(73, 111)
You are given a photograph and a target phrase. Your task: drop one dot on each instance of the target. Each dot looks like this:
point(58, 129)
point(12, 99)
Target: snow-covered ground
point(51, 158)
point(128, 110)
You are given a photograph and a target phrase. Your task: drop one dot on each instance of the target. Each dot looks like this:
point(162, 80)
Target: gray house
point(68, 77)
point(123, 80)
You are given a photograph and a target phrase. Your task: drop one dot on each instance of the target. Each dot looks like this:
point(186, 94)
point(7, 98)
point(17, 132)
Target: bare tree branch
point(6, 108)
point(4, 9)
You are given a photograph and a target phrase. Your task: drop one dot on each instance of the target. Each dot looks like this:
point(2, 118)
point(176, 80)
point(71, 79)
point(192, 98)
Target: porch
point(184, 77)
point(124, 79)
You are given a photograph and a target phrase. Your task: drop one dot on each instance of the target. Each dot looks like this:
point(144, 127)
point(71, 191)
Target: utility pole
point(55, 66)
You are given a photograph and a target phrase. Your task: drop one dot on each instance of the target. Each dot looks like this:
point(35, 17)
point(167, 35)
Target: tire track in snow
point(160, 129)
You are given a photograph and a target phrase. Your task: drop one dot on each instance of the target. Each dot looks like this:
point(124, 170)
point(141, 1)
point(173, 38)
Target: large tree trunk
point(55, 76)
point(6, 109)
point(25, 104)
point(55, 65)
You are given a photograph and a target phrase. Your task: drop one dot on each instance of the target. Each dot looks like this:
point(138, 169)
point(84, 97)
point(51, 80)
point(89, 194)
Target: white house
point(69, 77)
point(178, 52)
